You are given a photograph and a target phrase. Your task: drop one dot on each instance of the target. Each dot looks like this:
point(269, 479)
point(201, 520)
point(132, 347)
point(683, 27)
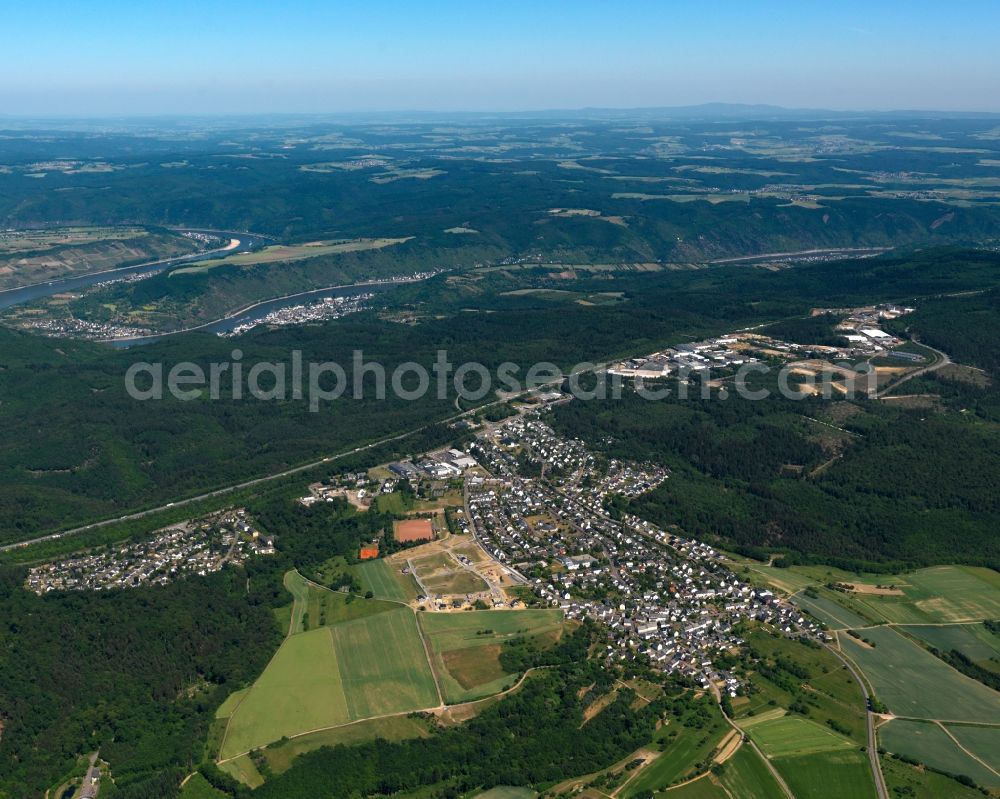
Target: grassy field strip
point(305, 685)
point(793, 735)
point(242, 769)
point(227, 708)
point(300, 689)
point(296, 585)
point(430, 661)
point(752, 721)
point(915, 684)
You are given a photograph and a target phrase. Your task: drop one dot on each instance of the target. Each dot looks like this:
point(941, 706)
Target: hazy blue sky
point(168, 56)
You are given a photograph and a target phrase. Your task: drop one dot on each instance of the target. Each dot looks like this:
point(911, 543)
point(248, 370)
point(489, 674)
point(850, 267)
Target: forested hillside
point(79, 448)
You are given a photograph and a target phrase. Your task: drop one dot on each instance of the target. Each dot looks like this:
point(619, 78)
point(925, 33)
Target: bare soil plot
point(414, 530)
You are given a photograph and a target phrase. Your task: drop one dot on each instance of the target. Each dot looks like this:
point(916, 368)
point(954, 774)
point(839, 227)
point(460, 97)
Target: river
point(37, 291)
point(256, 312)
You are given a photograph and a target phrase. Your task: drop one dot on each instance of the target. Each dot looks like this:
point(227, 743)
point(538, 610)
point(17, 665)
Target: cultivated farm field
point(831, 613)
point(903, 779)
point(745, 775)
point(983, 742)
point(912, 682)
point(812, 758)
point(838, 774)
point(935, 595)
point(300, 690)
point(938, 595)
point(465, 647)
point(929, 744)
point(974, 641)
point(793, 735)
point(383, 665)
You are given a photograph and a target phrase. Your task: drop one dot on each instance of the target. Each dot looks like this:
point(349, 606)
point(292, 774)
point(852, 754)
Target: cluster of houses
point(664, 600)
point(324, 310)
point(71, 327)
point(200, 546)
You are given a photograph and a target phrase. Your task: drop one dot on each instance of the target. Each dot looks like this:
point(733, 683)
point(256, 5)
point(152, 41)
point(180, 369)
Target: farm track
point(958, 743)
point(872, 747)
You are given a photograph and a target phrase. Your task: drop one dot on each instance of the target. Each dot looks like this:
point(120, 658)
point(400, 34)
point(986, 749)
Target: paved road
point(872, 742)
point(942, 361)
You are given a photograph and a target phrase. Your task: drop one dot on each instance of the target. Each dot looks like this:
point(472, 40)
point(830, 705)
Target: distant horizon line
point(725, 110)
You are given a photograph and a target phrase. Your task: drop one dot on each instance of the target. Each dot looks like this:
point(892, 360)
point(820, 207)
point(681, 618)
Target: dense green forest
point(586, 240)
point(858, 483)
point(303, 181)
point(139, 673)
point(965, 327)
point(819, 329)
point(79, 448)
point(136, 674)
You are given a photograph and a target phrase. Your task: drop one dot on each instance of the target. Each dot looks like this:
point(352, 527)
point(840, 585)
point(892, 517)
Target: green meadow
point(384, 581)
